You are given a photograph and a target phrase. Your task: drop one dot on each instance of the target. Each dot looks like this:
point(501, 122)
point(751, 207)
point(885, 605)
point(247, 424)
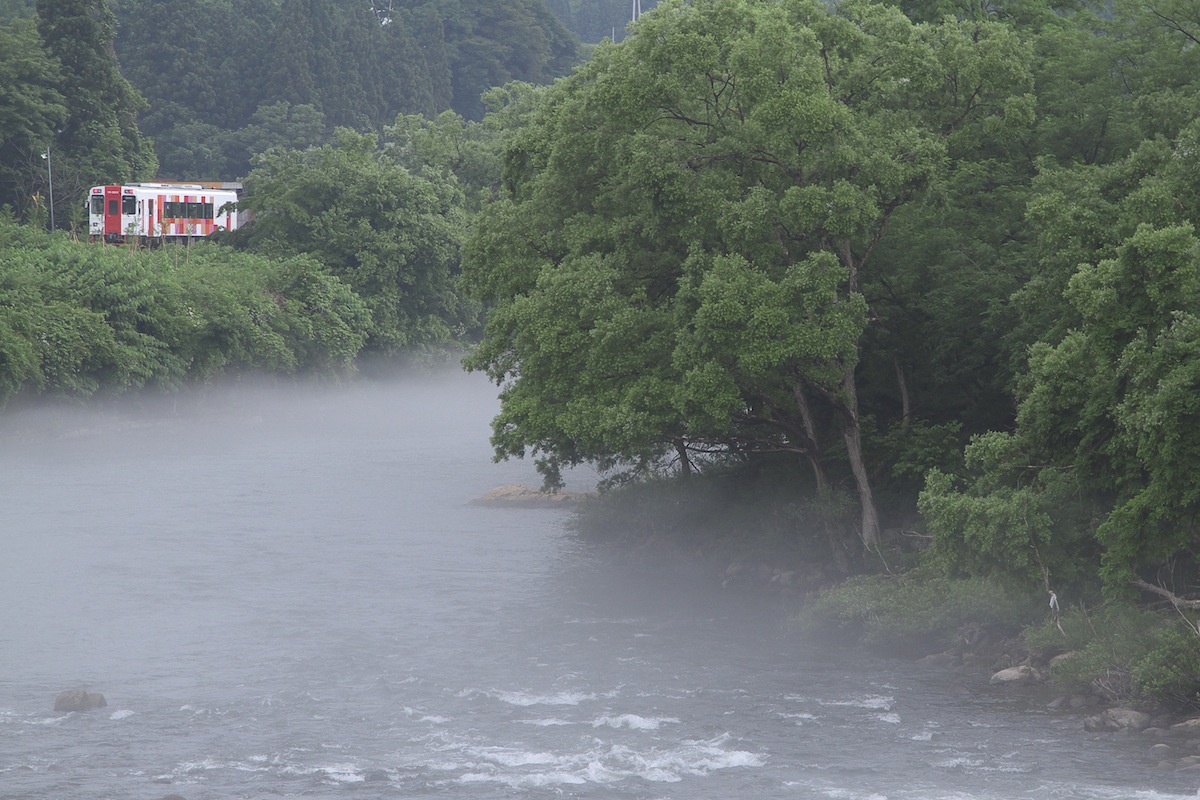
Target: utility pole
point(637, 9)
point(50, 181)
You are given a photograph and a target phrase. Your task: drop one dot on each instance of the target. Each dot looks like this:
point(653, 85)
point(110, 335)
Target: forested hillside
point(224, 80)
point(212, 82)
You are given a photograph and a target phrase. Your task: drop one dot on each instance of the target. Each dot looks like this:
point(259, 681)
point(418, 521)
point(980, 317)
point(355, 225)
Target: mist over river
point(288, 593)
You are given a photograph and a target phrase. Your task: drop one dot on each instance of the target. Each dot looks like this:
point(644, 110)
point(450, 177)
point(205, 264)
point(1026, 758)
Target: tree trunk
point(905, 403)
point(810, 430)
point(852, 430)
point(685, 464)
point(852, 434)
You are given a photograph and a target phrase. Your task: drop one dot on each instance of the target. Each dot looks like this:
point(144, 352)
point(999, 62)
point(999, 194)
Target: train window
point(97, 205)
point(180, 210)
point(113, 208)
point(128, 204)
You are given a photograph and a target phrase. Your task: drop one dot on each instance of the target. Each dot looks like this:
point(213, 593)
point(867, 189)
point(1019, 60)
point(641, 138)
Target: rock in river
point(79, 699)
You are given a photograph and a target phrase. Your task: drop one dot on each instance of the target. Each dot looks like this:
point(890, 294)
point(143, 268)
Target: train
point(153, 213)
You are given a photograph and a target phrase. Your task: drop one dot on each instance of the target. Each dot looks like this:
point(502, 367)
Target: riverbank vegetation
point(900, 293)
point(77, 320)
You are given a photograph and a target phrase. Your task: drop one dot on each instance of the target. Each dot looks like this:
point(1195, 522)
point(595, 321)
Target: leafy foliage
point(67, 116)
point(1170, 669)
point(391, 235)
point(1102, 459)
point(679, 265)
point(31, 110)
point(100, 141)
point(1126, 654)
point(916, 611)
point(79, 319)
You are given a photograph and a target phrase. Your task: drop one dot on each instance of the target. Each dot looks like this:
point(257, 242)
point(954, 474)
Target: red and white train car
point(151, 213)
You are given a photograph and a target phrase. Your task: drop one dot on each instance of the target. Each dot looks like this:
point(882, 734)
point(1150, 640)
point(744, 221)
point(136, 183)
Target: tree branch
point(1174, 599)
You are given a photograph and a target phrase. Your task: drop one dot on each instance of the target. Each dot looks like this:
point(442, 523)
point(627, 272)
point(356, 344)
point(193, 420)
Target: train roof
point(228, 185)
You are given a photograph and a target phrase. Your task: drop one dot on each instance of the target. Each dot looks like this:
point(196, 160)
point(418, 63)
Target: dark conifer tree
point(100, 140)
point(428, 58)
point(31, 110)
point(244, 64)
point(289, 73)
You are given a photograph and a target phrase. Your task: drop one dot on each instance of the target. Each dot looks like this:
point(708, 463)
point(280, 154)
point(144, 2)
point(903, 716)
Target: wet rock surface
point(1172, 742)
point(78, 699)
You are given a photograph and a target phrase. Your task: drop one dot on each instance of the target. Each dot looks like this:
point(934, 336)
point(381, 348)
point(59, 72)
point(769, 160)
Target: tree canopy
point(681, 260)
point(78, 320)
point(391, 235)
point(66, 111)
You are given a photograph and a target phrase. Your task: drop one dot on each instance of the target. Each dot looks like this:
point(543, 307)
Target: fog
point(286, 591)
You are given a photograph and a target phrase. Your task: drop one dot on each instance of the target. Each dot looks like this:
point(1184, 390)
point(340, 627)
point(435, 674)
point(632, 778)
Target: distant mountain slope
point(225, 78)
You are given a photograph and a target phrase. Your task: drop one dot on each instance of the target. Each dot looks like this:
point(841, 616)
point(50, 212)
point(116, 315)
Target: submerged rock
point(1118, 719)
point(79, 699)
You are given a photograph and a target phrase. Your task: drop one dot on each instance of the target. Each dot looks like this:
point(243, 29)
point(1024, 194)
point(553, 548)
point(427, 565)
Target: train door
point(147, 227)
point(112, 214)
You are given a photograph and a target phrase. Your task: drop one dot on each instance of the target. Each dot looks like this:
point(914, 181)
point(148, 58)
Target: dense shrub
point(917, 610)
point(1124, 653)
point(79, 319)
point(1170, 670)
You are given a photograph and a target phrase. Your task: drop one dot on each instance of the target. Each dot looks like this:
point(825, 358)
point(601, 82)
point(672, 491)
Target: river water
point(290, 594)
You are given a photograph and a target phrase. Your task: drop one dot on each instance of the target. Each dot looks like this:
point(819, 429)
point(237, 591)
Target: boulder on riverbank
point(1118, 719)
point(519, 496)
point(1021, 675)
point(1175, 745)
point(79, 699)
point(1188, 726)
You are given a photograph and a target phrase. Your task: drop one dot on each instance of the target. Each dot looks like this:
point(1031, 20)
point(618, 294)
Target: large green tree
point(1092, 484)
point(392, 235)
point(100, 140)
point(31, 111)
point(1097, 479)
point(679, 264)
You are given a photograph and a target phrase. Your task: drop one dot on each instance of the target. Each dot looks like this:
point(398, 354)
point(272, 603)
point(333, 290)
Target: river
point(288, 593)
